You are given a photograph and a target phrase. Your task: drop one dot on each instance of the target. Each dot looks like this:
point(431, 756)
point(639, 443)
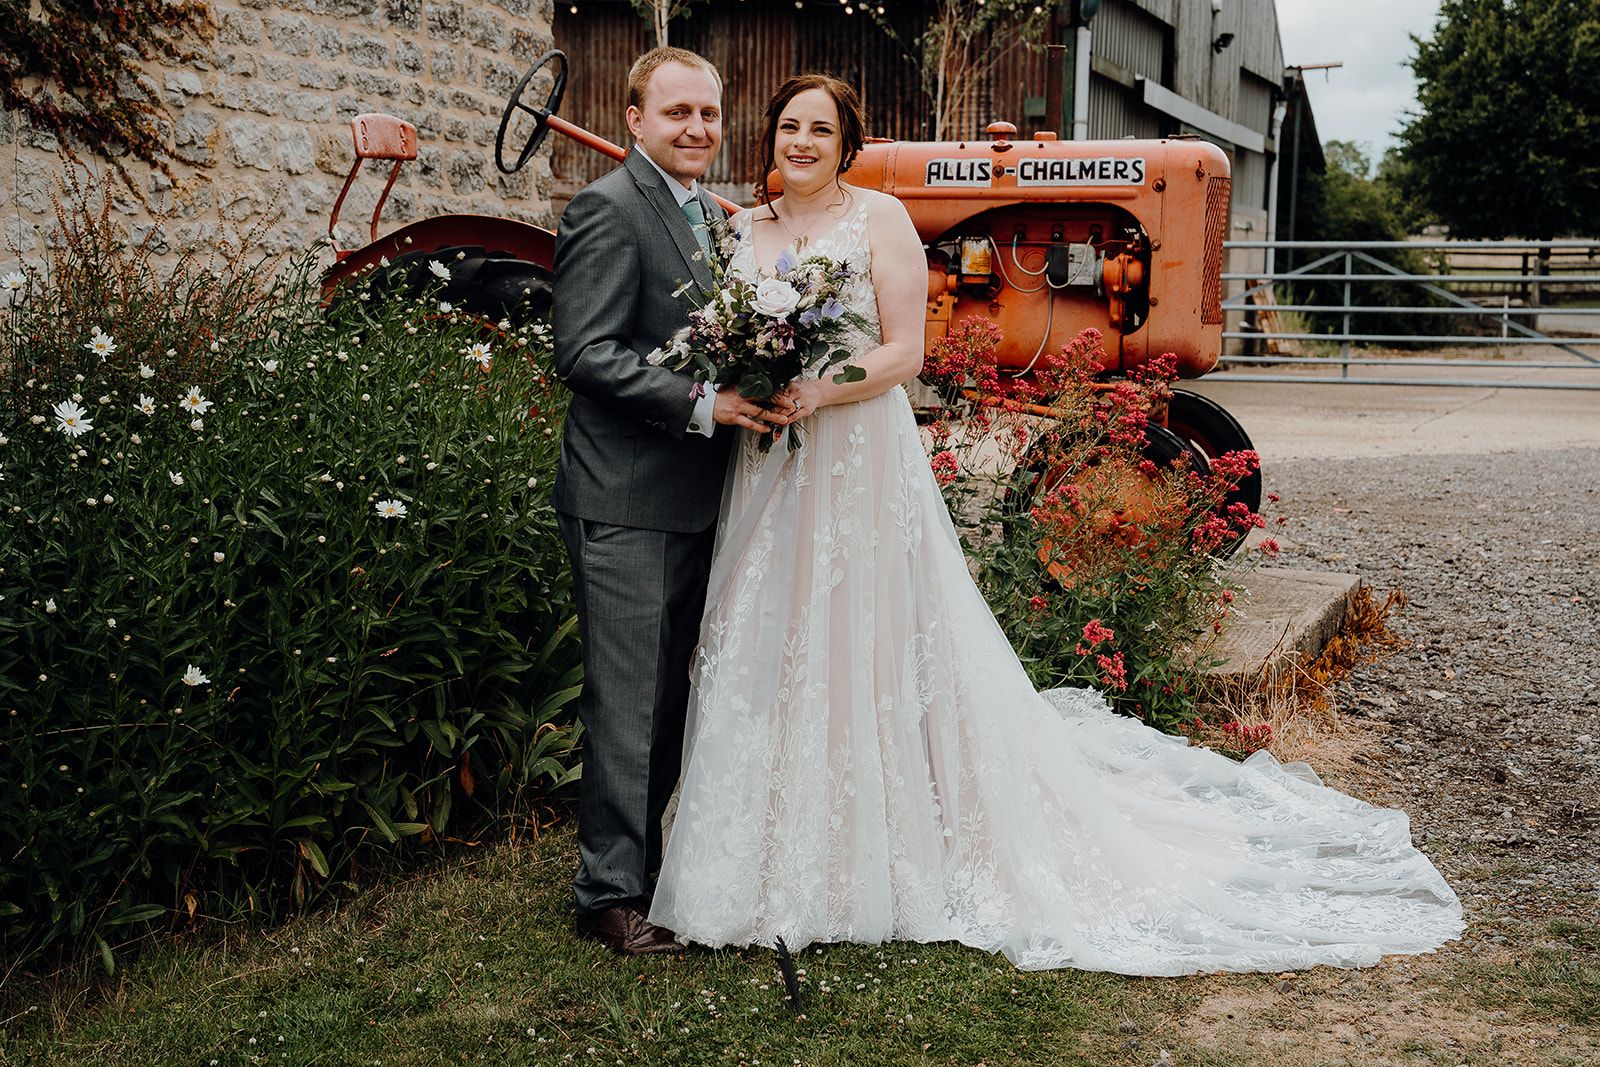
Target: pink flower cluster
point(946, 467)
point(1230, 736)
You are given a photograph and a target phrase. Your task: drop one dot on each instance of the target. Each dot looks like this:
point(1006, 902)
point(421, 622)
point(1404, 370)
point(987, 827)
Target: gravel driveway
point(1493, 708)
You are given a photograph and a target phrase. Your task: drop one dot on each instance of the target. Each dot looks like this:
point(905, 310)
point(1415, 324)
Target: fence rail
point(1351, 267)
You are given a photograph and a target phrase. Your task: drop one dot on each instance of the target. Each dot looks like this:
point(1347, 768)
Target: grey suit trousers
point(640, 595)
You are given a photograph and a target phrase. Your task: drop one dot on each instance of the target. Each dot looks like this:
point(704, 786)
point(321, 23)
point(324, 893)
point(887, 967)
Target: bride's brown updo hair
point(852, 123)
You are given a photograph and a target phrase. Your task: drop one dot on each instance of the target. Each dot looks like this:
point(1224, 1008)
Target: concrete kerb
point(1283, 613)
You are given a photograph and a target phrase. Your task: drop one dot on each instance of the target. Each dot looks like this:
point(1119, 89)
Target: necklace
point(804, 235)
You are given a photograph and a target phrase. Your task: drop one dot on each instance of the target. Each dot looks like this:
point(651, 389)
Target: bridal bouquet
point(758, 336)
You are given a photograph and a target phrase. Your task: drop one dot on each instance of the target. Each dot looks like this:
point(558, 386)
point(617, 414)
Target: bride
point(866, 760)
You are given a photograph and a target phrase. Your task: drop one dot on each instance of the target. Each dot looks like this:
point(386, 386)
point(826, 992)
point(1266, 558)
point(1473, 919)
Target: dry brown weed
point(1292, 694)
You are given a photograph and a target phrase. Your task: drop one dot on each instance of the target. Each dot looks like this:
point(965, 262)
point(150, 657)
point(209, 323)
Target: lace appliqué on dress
point(866, 760)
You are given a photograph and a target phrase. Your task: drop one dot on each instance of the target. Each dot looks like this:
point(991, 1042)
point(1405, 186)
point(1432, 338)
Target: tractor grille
point(1217, 194)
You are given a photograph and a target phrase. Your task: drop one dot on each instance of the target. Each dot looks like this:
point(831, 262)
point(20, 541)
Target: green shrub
point(289, 586)
point(1102, 567)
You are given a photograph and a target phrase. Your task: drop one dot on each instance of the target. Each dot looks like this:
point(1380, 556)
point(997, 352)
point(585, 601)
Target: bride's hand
point(731, 409)
point(798, 400)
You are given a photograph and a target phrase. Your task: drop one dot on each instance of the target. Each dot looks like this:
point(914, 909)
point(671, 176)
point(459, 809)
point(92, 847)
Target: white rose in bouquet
point(775, 298)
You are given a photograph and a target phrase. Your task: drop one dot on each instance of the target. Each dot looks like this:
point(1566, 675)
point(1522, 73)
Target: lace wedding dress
point(866, 759)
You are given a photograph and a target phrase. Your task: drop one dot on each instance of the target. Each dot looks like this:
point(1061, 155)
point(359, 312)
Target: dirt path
point(1484, 726)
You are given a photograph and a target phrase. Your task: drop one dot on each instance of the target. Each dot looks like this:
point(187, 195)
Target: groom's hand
point(731, 409)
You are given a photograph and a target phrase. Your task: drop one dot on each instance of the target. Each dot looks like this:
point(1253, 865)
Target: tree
point(963, 42)
point(1398, 185)
point(1345, 203)
point(1504, 141)
point(660, 13)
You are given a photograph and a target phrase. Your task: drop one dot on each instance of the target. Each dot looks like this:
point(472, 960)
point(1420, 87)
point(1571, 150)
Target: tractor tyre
point(1126, 495)
point(495, 285)
point(1210, 430)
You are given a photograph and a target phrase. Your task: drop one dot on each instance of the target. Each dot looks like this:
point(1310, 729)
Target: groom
point(640, 478)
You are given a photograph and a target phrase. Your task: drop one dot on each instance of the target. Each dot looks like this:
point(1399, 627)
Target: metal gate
point(1514, 304)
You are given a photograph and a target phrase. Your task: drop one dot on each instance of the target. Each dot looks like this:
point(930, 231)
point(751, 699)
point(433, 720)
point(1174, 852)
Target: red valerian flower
point(1208, 535)
point(1095, 635)
point(1113, 672)
point(1269, 547)
point(1237, 465)
point(946, 467)
point(1038, 605)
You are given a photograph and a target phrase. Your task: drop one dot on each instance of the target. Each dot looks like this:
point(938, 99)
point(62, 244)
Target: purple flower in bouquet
point(758, 335)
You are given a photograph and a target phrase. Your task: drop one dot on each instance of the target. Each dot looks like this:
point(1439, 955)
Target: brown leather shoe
point(626, 930)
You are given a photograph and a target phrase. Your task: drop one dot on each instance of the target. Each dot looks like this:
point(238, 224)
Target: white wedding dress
point(866, 760)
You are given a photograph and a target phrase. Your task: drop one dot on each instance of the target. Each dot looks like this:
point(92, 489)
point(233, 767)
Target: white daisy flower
point(100, 343)
point(71, 419)
point(147, 404)
point(439, 270)
point(218, 557)
point(445, 307)
point(50, 606)
point(270, 366)
point(197, 425)
point(177, 478)
point(391, 509)
point(192, 676)
point(146, 370)
point(13, 282)
point(481, 354)
point(194, 403)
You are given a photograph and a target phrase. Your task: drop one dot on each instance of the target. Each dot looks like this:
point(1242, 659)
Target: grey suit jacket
point(622, 248)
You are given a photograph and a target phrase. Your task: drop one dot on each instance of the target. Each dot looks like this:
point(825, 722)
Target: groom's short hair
point(647, 64)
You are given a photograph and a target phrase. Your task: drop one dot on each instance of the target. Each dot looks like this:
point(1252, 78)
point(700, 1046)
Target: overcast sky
point(1364, 100)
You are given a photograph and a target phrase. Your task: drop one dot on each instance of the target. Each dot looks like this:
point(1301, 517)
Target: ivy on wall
point(72, 67)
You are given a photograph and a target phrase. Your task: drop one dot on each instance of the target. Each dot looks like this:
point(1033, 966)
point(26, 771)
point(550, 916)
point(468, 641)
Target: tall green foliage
point(1503, 143)
point(280, 586)
point(1347, 202)
point(1101, 567)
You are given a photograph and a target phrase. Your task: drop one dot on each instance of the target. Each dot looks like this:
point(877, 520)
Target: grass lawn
point(474, 962)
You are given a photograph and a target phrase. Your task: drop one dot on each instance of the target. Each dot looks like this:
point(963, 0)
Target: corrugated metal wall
point(601, 43)
point(755, 49)
point(1132, 39)
point(1116, 112)
point(1249, 179)
point(1253, 106)
point(757, 45)
point(1207, 76)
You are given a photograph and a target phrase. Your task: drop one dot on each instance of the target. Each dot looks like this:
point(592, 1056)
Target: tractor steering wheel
point(541, 127)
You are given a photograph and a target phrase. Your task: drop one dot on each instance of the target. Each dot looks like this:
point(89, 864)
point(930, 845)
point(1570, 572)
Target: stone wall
point(261, 136)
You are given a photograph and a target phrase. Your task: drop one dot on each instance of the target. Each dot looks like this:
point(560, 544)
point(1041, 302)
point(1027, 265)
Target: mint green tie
point(695, 212)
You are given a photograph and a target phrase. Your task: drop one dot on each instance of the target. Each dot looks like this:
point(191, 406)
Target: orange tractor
point(1042, 237)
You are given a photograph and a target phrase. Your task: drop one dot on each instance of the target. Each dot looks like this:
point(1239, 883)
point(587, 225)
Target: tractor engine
point(1044, 237)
